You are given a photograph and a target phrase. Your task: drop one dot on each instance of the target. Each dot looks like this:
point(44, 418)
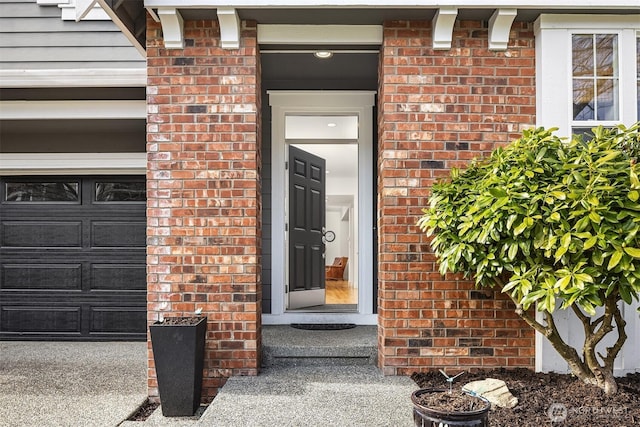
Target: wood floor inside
point(340, 292)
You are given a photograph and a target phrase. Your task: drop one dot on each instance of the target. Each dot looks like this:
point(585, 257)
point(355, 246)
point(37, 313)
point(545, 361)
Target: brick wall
point(203, 188)
point(438, 109)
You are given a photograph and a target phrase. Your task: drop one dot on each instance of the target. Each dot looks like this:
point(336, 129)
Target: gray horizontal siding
point(35, 37)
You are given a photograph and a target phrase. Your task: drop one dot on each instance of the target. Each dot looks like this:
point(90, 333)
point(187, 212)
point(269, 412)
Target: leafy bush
point(546, 221)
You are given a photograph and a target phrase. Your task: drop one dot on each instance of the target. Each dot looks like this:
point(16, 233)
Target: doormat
point(323, 326)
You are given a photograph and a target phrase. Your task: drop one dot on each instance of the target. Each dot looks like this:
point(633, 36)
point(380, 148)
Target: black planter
point(427, 417)
point(178, 352)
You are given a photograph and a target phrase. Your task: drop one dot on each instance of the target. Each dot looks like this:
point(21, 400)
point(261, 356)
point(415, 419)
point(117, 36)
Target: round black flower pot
point(178, 353)
point(424, 416)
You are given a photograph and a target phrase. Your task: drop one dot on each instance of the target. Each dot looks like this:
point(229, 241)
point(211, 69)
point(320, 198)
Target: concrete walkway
point(71, 384)
point(101, 384)
point(313, 395)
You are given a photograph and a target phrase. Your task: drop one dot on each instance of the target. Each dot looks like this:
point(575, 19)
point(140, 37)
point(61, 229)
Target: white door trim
point(322, 102)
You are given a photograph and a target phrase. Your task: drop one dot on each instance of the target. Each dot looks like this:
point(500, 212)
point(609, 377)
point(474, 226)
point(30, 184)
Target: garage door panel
point(38, 234)
point(118, 320)
point(120, 277)
point(118, 233)
point(52, 277)
point(21, 319)
point(73, 270)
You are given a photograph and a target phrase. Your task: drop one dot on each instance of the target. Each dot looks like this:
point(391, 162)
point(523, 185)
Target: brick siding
point(203, 189)
point(438, 109)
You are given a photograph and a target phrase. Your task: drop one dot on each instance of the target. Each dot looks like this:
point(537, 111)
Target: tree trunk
point(587, 368)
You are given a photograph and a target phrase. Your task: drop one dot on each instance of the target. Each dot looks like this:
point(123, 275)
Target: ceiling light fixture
point(323, 54)
point(332, 125)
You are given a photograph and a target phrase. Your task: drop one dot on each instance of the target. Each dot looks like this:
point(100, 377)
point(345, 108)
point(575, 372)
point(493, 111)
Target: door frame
point(358, 103)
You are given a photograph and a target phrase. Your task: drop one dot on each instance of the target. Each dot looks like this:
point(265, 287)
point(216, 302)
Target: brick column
point(203, 190)
point(438, 109)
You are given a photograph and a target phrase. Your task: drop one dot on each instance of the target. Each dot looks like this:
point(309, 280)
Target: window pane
point(606, 55)
point(607, 99)
point(595, 77)
point(120, 192)
point(42, 191)
point(583, 102)
point(586, 133)
point(582, 55)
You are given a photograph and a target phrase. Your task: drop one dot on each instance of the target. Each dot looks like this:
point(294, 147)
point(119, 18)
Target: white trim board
point(59, 110)
point(72, 163)
point(319, 103)
point(522, 4)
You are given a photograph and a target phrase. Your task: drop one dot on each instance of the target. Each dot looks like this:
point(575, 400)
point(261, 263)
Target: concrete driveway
point(71, 384)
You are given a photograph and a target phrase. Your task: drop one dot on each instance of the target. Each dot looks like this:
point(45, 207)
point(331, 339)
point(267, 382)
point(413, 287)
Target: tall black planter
point(178, 352)
point(424, 416)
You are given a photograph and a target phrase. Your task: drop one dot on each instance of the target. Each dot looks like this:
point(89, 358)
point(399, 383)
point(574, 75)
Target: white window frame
point(554, 67)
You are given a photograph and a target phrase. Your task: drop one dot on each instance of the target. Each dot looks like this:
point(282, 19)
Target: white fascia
point(484, 4)
point(89, 77)
point(80, 110)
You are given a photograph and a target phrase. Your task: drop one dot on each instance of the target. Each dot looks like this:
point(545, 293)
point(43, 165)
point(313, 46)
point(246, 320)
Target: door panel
point(306, 220)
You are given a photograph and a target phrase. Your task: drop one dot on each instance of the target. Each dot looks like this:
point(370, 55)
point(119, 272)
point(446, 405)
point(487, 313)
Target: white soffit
point(60, 110)
point(500, 27)
point(90, 77)
point(324, 34)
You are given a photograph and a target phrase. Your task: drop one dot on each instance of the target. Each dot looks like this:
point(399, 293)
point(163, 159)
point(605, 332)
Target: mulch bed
point(548, 399)
point(144, 411)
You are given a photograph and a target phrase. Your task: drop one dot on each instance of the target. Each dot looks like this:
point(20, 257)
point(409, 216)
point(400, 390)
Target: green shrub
point(550, 221)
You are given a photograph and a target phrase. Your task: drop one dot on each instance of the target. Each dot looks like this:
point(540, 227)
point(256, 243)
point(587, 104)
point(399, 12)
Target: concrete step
point(283, 345)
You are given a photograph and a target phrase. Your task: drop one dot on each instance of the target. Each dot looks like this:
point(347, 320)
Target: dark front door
point(306, 228)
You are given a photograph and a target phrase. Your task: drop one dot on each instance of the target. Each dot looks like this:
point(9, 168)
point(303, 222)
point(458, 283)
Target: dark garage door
point(72, 258)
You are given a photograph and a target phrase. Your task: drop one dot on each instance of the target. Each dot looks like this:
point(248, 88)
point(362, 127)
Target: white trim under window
point(554, 83)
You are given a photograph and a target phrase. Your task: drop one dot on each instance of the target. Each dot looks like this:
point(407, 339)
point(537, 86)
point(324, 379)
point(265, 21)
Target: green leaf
point(634, 252)
point(497, 192)
point(590, 242)
point(593, 215)
point(633, 195)
point(559, 252)
point(513, 251)
point(614, 260)
point(520, 228)
point(563, 283)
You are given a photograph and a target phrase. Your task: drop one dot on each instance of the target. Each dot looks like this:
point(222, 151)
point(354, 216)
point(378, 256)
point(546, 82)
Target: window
point(587, 71)
point(42, 191)
point(120, 191)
